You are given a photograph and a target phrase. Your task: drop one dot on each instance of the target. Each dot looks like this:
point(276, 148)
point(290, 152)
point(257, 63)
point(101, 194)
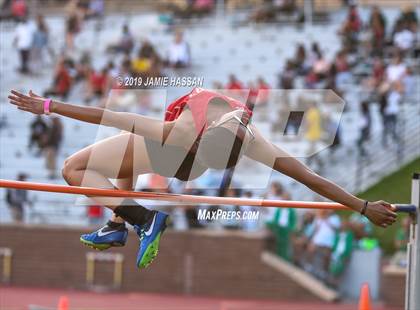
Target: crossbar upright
point(412, 290)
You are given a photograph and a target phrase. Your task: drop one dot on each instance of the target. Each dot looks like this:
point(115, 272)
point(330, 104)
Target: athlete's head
point(225, 141)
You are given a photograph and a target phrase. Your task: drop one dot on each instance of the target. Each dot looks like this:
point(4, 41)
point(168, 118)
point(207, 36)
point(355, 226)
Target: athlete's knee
point(68, 170)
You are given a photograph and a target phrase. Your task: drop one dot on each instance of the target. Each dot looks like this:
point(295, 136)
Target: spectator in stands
point(191, 8)
point(52, 145)
point(83, 67)
point(341, 68)
point(276, 191)
point(179, 52)
point(3, 121)
point(313, 130)
point(404, 38)
point(147, 62)
point(125, 44)
point(311, 79)
point(98, 84)
point(202, 7)
point(377, 77)
point(268, 11)
point(327, 225)
point(39, 129)
point(278, 242)
point(361, 226)
point(95, 9)
point(320, 66)
point(230, 223)
point(264, 13)
point(16, 200)
point(409, 15)
point(313, 54)
point(249, 224)
point(401, 240)
point(95, 215)
point(62, 81)
point(186, 216)
point(378, 71)
point(331, 91)
point(263, 91)
point(258, 92)
point(302, 238)
point(73, 26)
point(341, 253)
point(396, 70)
point(23, 39)
point(19, 9)
point(80, 7)
point(410, 84)
point(365, 125)
point(287, 77)
point(402, 235)
point(234, 83)
point(332, 133)
point(283, 226)
point(351, 28)
point(377, 25)
point(299, 61)
point(391, 109)
point(40, 43)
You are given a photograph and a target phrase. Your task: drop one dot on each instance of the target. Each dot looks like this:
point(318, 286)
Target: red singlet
point(198, 100)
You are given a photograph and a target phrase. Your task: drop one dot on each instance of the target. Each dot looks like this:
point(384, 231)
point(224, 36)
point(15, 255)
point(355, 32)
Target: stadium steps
point(301, 277)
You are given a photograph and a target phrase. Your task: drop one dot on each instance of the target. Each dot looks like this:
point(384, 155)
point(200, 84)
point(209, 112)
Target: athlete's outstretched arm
point(131, 122)
point(380, 212)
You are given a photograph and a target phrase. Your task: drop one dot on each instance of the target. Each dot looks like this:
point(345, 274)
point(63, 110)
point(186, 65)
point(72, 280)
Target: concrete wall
point(393, 286)
point(223, 264)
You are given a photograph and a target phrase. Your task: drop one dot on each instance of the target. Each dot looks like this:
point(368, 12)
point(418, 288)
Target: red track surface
point(17, 298)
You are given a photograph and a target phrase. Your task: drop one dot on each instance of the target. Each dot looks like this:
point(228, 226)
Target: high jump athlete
point(201, 130)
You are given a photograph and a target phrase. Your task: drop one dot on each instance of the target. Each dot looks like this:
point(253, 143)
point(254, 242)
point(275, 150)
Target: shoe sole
point(100, 246)
point(150, 253)
point(153, 249)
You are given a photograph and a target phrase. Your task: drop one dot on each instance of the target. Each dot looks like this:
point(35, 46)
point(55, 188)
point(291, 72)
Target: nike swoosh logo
point(149, 231)
point(101, 233)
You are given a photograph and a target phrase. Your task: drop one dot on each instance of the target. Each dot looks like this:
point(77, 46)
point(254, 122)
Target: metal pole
point(412, 296)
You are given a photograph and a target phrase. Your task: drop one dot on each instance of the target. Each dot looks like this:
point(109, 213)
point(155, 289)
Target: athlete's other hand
point(381, 213)
point(32, 103)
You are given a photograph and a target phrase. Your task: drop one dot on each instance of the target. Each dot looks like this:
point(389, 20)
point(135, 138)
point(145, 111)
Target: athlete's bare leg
point(118, 157)
point(124, 184)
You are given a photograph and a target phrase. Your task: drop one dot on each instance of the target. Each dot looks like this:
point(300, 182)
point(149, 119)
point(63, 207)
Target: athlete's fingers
point(390, 221)
point(15, 92)
point(17, 103)
point(393, 219)
point(32, 94)
point(392, 213)
point(17, 99)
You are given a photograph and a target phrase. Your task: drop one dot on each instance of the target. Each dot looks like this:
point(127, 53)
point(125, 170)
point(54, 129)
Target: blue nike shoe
point(106, 237)
point(150, 234)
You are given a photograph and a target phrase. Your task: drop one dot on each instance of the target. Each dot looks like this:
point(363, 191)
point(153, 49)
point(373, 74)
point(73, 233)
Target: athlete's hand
point(32, 103)
point(381, 213)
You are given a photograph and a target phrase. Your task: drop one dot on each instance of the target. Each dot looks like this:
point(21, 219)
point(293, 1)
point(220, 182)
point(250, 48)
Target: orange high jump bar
point(179, 198)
